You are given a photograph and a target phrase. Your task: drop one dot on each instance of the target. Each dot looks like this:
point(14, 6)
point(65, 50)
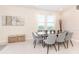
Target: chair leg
point(64, 44)
point(67, 43)
point(55, 47)
point(47, 49)
point(58, 46)
point(43, 44)
point(34, 43)
point(71, 42)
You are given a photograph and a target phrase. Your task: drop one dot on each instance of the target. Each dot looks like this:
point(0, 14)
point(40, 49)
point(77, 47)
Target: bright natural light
point(45, 22)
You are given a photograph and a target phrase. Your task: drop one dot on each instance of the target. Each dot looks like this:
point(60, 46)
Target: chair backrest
point(46, 31)
point(61, 37)
point(34, 36)
point(39, 31)
point(58, 31)
point(51, 31)
point(54, 31)
point(69, 36)
point(51, 39)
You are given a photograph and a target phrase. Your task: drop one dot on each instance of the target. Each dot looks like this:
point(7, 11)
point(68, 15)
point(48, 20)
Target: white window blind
point(45, 22)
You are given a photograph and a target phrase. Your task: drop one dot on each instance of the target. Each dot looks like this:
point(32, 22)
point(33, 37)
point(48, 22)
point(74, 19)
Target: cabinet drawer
point(21, 38)
point(12, 39)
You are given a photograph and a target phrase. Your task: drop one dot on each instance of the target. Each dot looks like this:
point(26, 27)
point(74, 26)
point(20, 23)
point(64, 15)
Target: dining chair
point(51, 31)
point(46, 31)
point(58, 31)
point(68, 38)
point(39, 31)
point(54, 31)
point(36, 39)
point(61, 39)
point(50, 41)
point(46, 34)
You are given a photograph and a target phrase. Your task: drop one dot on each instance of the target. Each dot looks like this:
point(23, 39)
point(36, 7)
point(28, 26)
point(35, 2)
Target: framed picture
point(12, 21)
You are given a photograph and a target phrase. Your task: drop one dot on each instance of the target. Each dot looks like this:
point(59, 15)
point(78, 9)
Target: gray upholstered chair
point(50, 41)
point(61, 39)
point(36, 38)
point(52, 31)
point(68, 38)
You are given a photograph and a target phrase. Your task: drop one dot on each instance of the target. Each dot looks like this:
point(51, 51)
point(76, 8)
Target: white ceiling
point(52, 8)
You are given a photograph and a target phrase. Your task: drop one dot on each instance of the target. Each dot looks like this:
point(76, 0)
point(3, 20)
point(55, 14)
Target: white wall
point(29, 18)
point(71, 21)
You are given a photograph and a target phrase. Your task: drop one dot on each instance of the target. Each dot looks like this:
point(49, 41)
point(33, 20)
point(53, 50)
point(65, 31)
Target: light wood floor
point(27, 48)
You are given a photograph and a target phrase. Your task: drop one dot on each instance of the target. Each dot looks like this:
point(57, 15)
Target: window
point(41, 22)
point(50, 22)
point(45, 22)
